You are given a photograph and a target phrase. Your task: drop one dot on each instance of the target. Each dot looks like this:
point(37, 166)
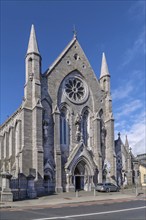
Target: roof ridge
point(61, 55)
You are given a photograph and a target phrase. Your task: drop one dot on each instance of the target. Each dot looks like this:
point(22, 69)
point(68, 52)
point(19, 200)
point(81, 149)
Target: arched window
point(64, 127)
point(10, 143)
point(2, 147)
point(17, 138)
point(5, 146)
point(85, 127)
point(104, 84)
point(30, 64)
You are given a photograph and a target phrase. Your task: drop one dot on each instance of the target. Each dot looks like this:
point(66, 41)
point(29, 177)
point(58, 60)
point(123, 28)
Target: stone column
point(57, 151)
point(110, 149)
point(74, 182)
point(69, 186)
point(136, 169)
point(92, 183)
point(38, 153)
point(4, 165)
point(31, 192)
point(9, 164)
point(129, 168)
point(37, 142)
point(97, 147)
point(6, 194)
point(100, 170)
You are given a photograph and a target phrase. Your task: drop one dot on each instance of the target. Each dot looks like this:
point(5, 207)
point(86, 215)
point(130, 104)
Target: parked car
point(107, 187)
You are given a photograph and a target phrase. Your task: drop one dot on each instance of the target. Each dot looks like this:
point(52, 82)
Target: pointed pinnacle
point(104, 67)
point(126, 142)
point(119, 135)
point(32, 45)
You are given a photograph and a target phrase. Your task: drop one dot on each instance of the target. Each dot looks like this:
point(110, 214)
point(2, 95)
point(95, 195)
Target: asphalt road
point(130, 210)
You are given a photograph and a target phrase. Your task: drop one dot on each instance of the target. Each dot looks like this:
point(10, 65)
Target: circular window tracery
point(75, 90)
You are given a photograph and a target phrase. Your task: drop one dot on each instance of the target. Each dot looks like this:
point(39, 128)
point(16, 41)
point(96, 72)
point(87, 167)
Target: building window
point(104, 84)
point(76, 56)
point(10, 143)
point(5, 146)
point(76, 90)
point(144, 178)
point(85, 127)
point(30, 64)
point(64, 128)
point(17, 139)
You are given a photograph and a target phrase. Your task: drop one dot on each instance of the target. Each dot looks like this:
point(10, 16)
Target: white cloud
point(130, 116)
point(120, 124)
point(136, 134)
point(122, 92)
point(140, 147)
point(137, 47)
point(128, 108)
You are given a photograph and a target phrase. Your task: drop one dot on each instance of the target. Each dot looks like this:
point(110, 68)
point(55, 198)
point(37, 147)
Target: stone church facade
point(127, 165)
point(62, 135)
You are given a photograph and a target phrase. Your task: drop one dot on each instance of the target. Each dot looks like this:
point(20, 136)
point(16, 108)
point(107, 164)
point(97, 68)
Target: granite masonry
point(61, 138)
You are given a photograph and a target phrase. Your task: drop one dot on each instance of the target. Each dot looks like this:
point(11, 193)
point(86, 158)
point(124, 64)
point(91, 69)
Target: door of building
point(79, 182)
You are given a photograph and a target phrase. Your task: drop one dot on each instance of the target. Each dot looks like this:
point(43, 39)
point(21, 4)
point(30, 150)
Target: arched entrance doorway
point(79, 179)
point(82, 176)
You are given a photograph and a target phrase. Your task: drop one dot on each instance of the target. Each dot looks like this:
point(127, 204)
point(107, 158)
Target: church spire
point(32, 45)
point(32, 90)
point(126, 142)
point(104, 67)
point(104, 75)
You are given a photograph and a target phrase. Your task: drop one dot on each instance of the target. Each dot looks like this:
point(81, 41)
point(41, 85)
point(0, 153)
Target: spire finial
point(104, 67)
point(74, 31)
point(32, 45)
point(119, 134)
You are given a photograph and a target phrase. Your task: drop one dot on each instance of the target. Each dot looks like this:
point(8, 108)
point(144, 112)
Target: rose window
point(75, 89)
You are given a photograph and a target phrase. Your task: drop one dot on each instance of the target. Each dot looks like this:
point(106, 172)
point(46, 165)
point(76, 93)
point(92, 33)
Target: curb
point(63, 203)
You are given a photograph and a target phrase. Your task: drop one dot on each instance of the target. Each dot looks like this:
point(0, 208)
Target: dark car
point(107, 187)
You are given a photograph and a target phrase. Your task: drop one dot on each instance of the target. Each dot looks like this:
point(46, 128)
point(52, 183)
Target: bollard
point(77, 193)
point(94, 192)
point(122, 189)
point(136, 190)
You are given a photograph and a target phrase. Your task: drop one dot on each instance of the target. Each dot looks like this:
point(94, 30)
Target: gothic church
point(62, 135)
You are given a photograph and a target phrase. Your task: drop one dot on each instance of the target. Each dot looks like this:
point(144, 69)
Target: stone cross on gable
point(74, 31)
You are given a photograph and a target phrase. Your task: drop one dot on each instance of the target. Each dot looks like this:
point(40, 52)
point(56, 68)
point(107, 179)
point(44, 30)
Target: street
point(111, 210)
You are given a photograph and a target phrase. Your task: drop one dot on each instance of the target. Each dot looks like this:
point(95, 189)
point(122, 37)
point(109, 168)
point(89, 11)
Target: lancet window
point(17, 138)
point(64, 127)
point(85, 127)
point(10, 143)
point(5, 146)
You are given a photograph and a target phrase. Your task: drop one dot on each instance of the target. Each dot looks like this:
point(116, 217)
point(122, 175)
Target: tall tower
point(32, 93)
point(33, 109)
point(108, 119)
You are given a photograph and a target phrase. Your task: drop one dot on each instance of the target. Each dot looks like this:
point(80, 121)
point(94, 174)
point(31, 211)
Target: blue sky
point(114, 27)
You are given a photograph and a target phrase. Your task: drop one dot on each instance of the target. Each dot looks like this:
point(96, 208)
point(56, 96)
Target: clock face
point(76, 90)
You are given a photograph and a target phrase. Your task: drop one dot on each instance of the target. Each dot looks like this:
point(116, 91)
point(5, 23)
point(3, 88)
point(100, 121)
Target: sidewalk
point(72, 197)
